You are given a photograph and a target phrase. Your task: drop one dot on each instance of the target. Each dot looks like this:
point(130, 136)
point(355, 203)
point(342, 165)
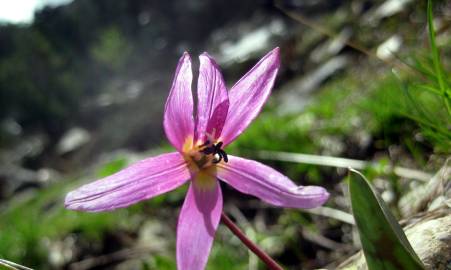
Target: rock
point(388, 48)
point(253, 43)
point(72, 140)
point(428, 196)
point(47, 175)
point(431, 240)
point(311, 7)
point(14, 178)
point(60, 252)
point(119, 92)
point(387, 9)
point(153, 232)
point(331, 145)
point(295, 94)
point(28, 147)
point(332, 47)
point(11, 127)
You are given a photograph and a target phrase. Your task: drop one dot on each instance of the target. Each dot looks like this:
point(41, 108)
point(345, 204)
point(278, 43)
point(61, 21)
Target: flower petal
point(254, 178)
point(198, 221)
point(178, 114)
point(249, 94)
point(213, 102)
point(142, 180)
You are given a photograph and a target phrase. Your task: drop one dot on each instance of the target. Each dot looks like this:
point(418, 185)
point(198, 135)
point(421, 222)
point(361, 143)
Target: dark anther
point(207, 142)
point(215, 149)
point(224, 155)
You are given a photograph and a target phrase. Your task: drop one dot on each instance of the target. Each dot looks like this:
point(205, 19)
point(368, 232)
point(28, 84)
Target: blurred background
point(83, 86)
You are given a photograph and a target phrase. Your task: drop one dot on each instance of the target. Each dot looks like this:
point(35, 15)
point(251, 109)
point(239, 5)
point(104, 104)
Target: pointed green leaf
point(383, 241)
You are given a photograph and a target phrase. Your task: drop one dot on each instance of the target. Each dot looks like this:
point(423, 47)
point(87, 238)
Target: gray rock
point(295, 94)
point(386, 9)
point(72, 140)
point(252, 43)
point(434, 193)
point(389, 47)
point(332, 47)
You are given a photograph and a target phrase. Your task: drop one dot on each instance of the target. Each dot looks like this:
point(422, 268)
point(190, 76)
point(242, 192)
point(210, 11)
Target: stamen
point(207, 142)
point(217, 158)
point(215, 150)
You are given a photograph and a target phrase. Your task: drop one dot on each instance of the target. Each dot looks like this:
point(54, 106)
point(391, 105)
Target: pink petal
point(142, 180)
point(178, 114)
point(213, 102)
point(254, 178)
point(249, 94)
point(198, 221)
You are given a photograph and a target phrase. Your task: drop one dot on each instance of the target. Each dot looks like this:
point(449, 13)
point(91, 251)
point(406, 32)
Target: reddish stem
point(254, 248)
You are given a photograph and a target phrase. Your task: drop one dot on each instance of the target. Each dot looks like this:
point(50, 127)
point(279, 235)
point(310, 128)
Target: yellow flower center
point(196, 159)
point(201, 163)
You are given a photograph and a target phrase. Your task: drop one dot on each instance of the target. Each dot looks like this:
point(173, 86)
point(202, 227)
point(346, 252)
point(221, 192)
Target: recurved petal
point(249, 94)
point(254, 178)
point(178, 114)
point(198, 221)
point(142, 180)
point(213, 102)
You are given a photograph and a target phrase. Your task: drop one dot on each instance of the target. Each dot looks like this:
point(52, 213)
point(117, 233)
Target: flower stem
point(270, 263)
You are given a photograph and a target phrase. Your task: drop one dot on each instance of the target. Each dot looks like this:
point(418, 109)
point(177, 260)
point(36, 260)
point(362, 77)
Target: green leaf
point(383, 241)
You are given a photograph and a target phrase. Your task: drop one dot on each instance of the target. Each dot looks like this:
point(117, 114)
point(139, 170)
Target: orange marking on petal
point(188, 144)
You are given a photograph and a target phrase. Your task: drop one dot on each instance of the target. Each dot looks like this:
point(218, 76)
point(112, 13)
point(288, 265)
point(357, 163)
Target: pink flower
point(200, 159)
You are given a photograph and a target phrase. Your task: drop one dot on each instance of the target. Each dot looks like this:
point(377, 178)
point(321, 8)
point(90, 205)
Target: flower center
point(205, 155)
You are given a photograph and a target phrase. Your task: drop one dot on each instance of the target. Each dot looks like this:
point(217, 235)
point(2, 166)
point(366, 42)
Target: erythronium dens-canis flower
point(200, 158)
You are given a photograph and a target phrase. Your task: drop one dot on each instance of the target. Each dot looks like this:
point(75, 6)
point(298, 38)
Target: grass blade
point(5, 264)
point(436, 58)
